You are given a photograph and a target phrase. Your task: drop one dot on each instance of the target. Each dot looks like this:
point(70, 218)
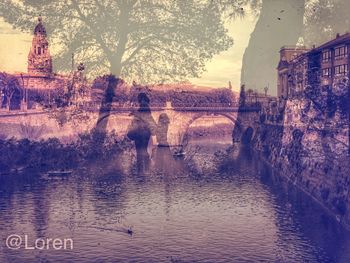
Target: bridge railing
point(92, 106)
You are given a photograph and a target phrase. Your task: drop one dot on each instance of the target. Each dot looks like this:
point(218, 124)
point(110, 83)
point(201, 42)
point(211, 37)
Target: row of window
point(342, 69)
point(339, 53)
point(40, 50)
point(338, 70)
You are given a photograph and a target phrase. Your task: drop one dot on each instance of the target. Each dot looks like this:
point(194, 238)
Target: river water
point(215, 205)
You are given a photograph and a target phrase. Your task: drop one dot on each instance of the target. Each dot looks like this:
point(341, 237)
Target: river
point(226, 206)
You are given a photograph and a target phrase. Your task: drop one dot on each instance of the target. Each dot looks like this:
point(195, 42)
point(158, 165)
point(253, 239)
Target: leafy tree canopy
point(238, 8)
point(142, 40)
point(324, 19)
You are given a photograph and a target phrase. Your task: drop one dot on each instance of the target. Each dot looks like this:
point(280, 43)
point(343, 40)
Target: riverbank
point(307, 165)
point(51, 154)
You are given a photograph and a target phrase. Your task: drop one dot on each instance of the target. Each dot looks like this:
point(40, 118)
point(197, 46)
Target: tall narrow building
point(40, 85)
point(39, 58)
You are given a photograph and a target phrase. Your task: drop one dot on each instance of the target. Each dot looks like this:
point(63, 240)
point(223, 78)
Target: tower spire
point(39, 58)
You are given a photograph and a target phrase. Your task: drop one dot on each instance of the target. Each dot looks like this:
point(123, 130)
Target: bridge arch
point(102, 117)
point(231, 117)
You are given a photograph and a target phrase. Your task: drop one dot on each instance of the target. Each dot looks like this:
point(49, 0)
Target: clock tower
point(39, 58)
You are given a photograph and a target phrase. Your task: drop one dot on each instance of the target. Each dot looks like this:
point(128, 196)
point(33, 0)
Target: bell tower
point(39, 58)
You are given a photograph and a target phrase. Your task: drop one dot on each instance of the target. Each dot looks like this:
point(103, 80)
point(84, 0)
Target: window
point(341, 70)
point(39, 50)
point(340, 52)
point(326, 56)
point(326, 72)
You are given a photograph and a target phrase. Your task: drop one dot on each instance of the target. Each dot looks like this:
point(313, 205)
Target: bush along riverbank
point(52, 154)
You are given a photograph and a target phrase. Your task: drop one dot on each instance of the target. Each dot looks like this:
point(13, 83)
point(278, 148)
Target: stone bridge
point(180, 119)
point(69, 123)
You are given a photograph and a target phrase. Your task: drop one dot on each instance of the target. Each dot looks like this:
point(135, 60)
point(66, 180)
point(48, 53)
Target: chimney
point(338, 35)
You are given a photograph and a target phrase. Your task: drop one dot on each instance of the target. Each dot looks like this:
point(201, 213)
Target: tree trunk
point(8, 103)
point(280, 23)
point(116, 60)
point(115, 67)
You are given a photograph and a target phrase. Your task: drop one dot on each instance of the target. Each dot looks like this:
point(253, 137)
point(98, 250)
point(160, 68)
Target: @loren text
point(15, 242)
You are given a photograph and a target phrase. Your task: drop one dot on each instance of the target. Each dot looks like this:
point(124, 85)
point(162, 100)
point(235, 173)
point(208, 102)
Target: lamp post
point(265, 90)
point(24, 103)
point(250, 92)
point(1, 98)
point(2, 95)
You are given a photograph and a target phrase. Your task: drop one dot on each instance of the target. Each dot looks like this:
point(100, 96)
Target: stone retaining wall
point(315, 160)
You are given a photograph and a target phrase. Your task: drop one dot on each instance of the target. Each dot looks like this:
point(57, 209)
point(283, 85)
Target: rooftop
point(340, 39)
point(39, 28)
point(295, 47)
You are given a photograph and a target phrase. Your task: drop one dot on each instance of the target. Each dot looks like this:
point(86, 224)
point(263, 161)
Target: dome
point(40, 29)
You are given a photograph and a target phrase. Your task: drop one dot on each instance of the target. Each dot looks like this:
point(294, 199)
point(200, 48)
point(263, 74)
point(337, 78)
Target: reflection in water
point(238, 212)
point(162, 131)
point(141, 129)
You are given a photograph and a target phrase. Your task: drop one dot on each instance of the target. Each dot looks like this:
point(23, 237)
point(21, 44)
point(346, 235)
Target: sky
point(224, 67)
point(227, 65)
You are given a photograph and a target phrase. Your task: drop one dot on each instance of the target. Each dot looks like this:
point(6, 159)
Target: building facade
point(326, 66)
point(314, 92)
point(39, 58)
point(292, 70)
point(40, 84)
